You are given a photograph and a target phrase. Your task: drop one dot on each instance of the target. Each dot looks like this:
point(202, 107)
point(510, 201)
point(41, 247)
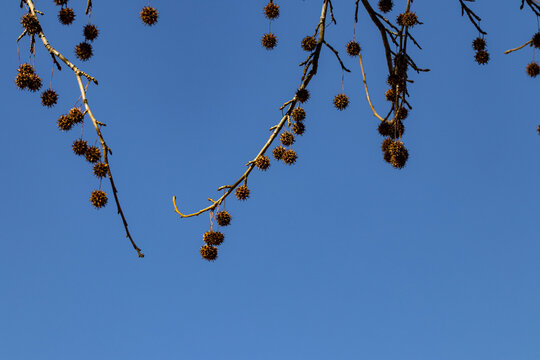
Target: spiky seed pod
point(390, 94)
point(385, 5)
point(536, 40)
point(65, 123)
point(289, 157)
point(26, 68)
point(242, 192)
point(386, 144)
point(269, 41)
point(278, 152)
point(223, 218)
point(209, 252)
point(298, 128)
point(393, 80)
point(479, 44)
point(384, 128)
point(402, 113)
point(31, 24)
point(271, 11)
point(407, 19)
point(79, 147)
point(353, 48)
point(309, 43)
point(482, 57)
point(302, 95)
point(49, 98)
point(149, 15)
point(61, 2)
point(101, 169)
point(399, 154)
point(22, 80)
point(66, 16)
point(341, 101)
point(98, 198)
point(262, 162)
point(76, 115)
point(84, 51)
point(387, 156)
point(298, 114)
point(34, 82)
point(93, 154)
point(213, 237)
point(287, 139)
point(90, 32)
point(533, 69)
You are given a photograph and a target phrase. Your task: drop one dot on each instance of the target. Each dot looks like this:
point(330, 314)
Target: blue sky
point(337, 257)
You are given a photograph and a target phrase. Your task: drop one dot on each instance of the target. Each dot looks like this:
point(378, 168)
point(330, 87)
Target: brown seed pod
point(84, 51)
point(302, 95)
point(309, 43)
point(65, 123)
point(209, 252)
point(390, 94)
point(402, 113)
point(394, 80)
point(76, 115)
point(61, 2)
point(242, 192)
point(98, 198)
point(79, 147)
point(149, 15)
point(399, 154)
point(384, 128)
point(262, 162)
point(536, 40)
point(407, 19)
point(34, 82)
point(26, 68)
point(341, 101)
point(533, 69)
point(22, 80)
point(482, 57)
point(289, 157)
point(49, 98)
point(93, 154)
point(271, 11)
point(353, 48)
point(287, 139)
point(278, 152)
point(298, 128)
point(213, 237)
point(66, 16)
point(223, 218)
point(396, 129)
point(479, 44)
point(31, 24)
point(385, 5)
point(269, 41)
point(387, 156)
point(298, 114)
point(101, 169)
point(386, 144)
point(90, 32)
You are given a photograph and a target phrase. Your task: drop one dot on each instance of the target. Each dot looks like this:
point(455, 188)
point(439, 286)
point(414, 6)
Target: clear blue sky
point(337, 257)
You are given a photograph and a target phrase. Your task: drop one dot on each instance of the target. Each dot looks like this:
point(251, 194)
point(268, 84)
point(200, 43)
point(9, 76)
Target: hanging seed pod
point(98, 198)
point(223, 218)
point(66, 16)
point(31, 24)
point(309, 43)
point(84, 51)
point(49, 98)
point(536, 40)
point(479, 44)
point(302, 95)
point(533, 69)
point(289, 157)
point(385, 5)
point(149, 15)
point(278, 152)
point(287, 139)
point(271, 11)
point(93, 154)
point(390, 94)
point(34, 82)
point(386, 144)
point(79, 147)
point(101, 169)
point(262, 162)
point(299, 128)
point(408, 19)
point(269, 41)
point(242, 192)
point(353, 48)
point(90, 32)
point(213, 237)
point(65, 123)
point(399, 154)
point(482, 57)
point(209, 252)
point(402, 113)
point(76, 115)
point(298, 114)
point(341, 101)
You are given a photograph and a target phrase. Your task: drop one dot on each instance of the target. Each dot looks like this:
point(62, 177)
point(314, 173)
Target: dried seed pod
point(209, 252)
point(84, 51)
point(61, 2)
point(402, 113)
point(101, 169)
point(387, 156)
point(34, 82)
point(26, 69)
point(341, 101)
point(76, 115)
point(385, 5)
point(49, 98)
point(302, 95)
point(278, 152)
point(262, 162)
point(242, 192)
point(31, 24)
point(213, 237)
point(65, 123)
point(536, 40)
point(299, 128)
point(397, 129)
point(399, 154)
point(353, 48)
point(93, 154)
point(22, 80)
point(298, 114)
point(384, 128)
point(98, 198)
point(149, 15)
point(289, 157)
point(386, 144)
point(79, 147)
point(287, 139)
point(390, 94)
point(482, 57)
point(533, 69)
point(66, 16)
point(407, 19)
point(223, 218)
point(271, 11)
point(309, 43)
point(269, 41)
point(394, 80)
point(90, 32)
point(479, 44)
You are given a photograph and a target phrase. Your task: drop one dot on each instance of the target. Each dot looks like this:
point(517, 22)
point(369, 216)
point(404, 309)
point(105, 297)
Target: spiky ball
point(536, 40)
point(533, 69)
point(289, 157)
point(223, 218)
point(385, 5)
point(262, 162)
point(278, 152)
point(65, 123)
point(93, 154)
point(26, 68)
point(402, 113)
point(390, 94)
point(23, 76)
point(66, 16)
point(302, 95)
point(242, 192)
point(353, 48)
point(34, 82)
point(98, 198)
point(479, 44)
point(209, 252)
point(271, 11)
point(149, 15)
point(76, 115)
point(79, 147)
point(482, 57)
point(213, 237)
point(90, 32)
point(269, 41)
point(84, 51)
point(298, 128)
point(31, 24)
point(298, 114)
point(61, 2)
point(399, 154)
point(407, 19)
point(386, 144)
point(309, 43)
point(393, 80)
point(101, 169)
point(341, 101)
point(287, 139)
point(49, 98)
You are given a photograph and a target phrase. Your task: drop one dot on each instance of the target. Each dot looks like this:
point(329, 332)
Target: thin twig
point(365, 86)
point(519, 47)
